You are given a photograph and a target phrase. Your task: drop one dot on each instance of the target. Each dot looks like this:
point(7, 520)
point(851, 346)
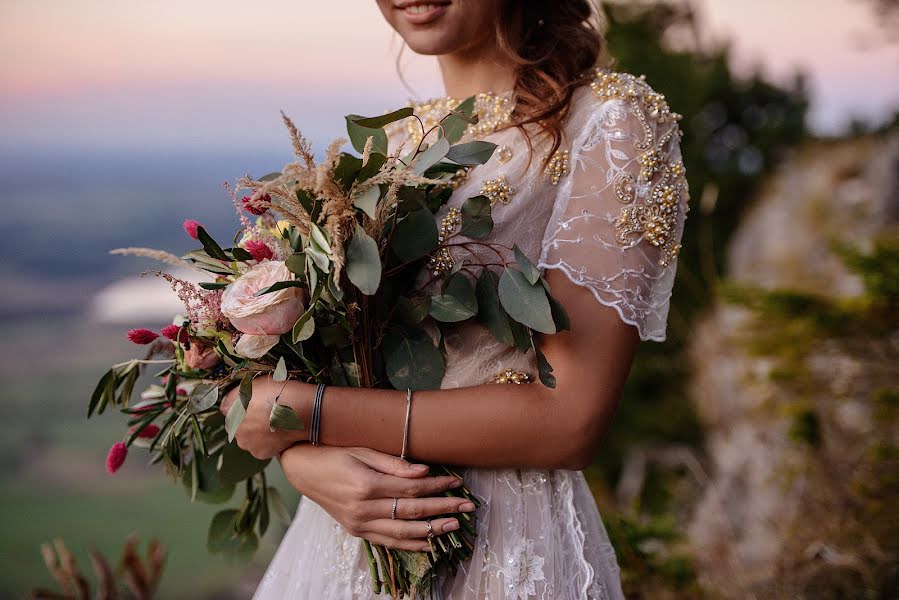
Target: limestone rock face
point(794, 414)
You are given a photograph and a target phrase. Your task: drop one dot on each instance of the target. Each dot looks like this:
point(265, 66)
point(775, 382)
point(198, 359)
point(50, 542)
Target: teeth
point(420, 9)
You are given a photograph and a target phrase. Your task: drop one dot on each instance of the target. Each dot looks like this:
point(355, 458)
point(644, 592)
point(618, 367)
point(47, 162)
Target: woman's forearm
point(488, 425)
point(496, 425)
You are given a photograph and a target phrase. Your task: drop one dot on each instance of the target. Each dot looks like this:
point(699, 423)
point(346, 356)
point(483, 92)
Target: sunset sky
point(163, 74)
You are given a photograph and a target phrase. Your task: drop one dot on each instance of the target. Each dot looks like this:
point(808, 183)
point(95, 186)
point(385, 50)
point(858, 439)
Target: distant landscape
point(63, 214)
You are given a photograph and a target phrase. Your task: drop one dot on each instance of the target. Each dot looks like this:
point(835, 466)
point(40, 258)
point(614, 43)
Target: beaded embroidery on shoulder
point(494, 111)
point(654, 216)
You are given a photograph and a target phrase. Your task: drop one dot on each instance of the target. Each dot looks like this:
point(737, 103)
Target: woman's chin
point(431, 43)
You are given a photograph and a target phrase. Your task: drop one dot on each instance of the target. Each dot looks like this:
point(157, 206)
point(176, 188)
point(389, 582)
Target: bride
point(587, 180)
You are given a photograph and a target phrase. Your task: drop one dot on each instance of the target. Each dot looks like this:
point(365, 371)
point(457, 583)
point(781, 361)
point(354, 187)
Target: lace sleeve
point(619, 215)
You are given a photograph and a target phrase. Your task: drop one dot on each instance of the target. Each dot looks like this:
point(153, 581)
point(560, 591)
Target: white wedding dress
point(608, 213)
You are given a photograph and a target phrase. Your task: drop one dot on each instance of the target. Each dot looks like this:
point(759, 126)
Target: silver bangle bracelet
point(316, 420)
point(406, 425)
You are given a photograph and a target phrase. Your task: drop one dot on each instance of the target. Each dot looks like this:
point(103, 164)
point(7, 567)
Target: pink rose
point(200, 356)
point(269, 314)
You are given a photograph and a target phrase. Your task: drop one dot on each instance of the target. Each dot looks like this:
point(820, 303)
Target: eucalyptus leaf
point(430, 157)
point(477, 222)
point(285, 418)
point(560, 315)
point(367, 201)
point(544, 369)
point(415, 236)
point(413, 311)
point(471, 153)
point(320, 238)
point(525, 302)
point(376, 160)
point(237, 465)
point(296, 264)
point(382, 120)
point(412, 361)
point(280, 373)
point(457, 122)
point(363, 262)
point(490, 312)
point(203, 396)
point(531, 273)
point(224, 538)
point(359, 135)
point(457, 302)
point(206, 285)
point(305, 331)
point(347, 169)
point(204, 477)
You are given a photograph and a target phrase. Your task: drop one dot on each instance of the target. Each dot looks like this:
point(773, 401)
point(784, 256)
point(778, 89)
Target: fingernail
point(456, 483)
point(419, 468)
point(425, 548)
point(466, 507)
point(451, 526)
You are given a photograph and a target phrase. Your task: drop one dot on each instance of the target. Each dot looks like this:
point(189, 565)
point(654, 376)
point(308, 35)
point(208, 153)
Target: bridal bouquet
point(338, 274)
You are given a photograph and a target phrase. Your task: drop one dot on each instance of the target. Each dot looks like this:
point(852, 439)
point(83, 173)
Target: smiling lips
point(423, 11)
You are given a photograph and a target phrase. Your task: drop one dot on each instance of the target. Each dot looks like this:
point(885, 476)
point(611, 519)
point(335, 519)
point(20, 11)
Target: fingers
point(390, 486)
point(417, 509)
point(397, 544)
point(408, 531)
point(389, 464)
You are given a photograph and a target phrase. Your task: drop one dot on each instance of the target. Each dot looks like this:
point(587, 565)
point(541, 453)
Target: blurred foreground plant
point(135, 577)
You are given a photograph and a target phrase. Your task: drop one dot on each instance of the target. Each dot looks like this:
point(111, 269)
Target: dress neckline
point(494, 111)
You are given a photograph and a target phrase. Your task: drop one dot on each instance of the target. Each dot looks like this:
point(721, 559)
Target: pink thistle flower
point(258, 250)
point(257, 207)
point(116, 457)
point(181, 391)
point(190, 226)
point(142, 336)
point(171, 332)
point(149, 432)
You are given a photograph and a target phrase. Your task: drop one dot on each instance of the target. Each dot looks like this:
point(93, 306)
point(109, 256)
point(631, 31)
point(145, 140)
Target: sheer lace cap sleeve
point(622, 200)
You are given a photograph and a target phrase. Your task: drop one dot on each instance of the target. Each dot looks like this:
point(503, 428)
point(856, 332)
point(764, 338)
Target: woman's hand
point(356, 486)
point(254, 433)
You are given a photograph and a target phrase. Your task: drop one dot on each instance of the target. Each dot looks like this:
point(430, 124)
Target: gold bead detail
point(503, 154)
point(497, 190)
point(557, 167)
point(443, 261)
point(510, 376)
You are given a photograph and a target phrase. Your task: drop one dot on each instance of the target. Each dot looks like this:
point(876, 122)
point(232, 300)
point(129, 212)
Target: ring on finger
point(393, 509)
point(430, 531)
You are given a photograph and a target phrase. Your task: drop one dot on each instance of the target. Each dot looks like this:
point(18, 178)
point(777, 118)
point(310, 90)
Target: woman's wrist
point(299, 396)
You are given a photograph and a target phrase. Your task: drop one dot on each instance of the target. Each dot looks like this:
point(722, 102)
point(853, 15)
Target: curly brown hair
point(555, 45)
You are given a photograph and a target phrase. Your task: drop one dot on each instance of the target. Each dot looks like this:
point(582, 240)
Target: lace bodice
point(608, 210)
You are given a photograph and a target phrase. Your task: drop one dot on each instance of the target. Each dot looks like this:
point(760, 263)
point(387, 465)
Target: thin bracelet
point(315, 426)
point(406, 426)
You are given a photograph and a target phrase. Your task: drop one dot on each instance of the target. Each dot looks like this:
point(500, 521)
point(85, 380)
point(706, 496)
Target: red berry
point(142, 336)
point(116, 457)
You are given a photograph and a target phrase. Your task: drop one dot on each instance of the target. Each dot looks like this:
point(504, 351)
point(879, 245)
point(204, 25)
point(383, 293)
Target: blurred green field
point(53, 483)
